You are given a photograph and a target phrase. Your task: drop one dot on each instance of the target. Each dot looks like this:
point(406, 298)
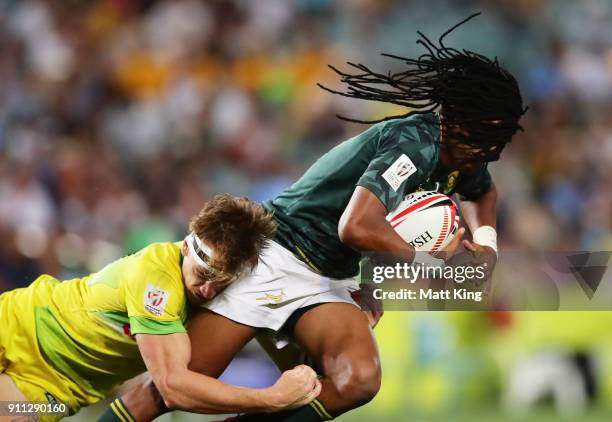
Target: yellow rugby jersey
point(85, 327)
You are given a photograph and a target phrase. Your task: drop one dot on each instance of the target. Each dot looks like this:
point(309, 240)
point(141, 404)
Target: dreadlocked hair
point(473, 93)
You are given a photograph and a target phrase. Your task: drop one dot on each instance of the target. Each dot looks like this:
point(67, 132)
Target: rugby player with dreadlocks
point(464, 108)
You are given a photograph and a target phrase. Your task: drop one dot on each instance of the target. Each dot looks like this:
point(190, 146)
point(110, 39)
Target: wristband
point(485, 236)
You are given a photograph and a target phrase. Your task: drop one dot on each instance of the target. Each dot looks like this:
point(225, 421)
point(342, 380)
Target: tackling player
point(337, 209)
point(73, 342)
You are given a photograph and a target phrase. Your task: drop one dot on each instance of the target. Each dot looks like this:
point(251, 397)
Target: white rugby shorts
point(279, 285)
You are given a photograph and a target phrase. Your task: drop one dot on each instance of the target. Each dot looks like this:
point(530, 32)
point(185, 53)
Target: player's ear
point(185, 248)
point(253, 262)
point(207, 290)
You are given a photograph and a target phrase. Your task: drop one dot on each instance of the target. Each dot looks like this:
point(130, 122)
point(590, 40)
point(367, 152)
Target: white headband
point(201, 253)
point(199, 250)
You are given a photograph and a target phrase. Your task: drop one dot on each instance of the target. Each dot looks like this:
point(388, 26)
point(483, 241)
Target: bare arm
point(167, 358)
point(363, 227)
point(480, 212)
point(214, 339)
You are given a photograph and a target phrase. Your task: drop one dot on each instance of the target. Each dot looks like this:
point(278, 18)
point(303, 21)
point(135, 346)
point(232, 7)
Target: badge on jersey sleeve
point(451, 182)
point(155, 299)
point(399, 171)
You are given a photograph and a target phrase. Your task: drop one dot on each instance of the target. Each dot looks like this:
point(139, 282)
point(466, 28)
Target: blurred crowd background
point(119, 118)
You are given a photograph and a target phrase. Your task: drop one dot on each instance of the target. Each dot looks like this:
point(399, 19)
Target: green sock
point(313, 412)
point(116, 412)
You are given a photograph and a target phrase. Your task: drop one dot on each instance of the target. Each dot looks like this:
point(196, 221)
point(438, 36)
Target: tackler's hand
point(295, 388)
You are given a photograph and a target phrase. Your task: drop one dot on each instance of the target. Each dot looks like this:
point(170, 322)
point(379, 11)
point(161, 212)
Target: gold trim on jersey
point(307, 260)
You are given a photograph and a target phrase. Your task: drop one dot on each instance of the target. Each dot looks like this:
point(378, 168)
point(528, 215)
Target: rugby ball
point(427, 220)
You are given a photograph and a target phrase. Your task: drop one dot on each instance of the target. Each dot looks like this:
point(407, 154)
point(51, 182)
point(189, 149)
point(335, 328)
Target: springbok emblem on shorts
point(274, 298)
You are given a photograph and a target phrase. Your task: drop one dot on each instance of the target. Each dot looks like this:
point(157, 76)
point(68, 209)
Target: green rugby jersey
point(391, 159)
